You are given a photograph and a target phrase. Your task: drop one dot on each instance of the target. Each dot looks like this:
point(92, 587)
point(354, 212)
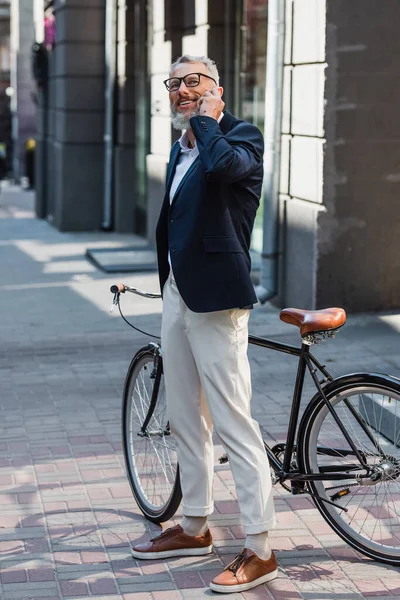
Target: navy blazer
point(208, 226)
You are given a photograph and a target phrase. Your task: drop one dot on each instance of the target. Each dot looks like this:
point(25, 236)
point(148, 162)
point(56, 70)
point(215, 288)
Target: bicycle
point(344, 451)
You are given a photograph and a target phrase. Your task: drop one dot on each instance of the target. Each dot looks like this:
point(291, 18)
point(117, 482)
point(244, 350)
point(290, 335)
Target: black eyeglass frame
point(165, 82)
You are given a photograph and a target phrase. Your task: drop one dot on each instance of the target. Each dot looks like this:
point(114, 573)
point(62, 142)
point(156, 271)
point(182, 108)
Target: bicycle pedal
point(340, 494)
point(223, 459)
point(297, 487)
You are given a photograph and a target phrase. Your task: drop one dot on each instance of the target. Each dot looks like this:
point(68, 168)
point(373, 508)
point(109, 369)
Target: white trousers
point(208, 382)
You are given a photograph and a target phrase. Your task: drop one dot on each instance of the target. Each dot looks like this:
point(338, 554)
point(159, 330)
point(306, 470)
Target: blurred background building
point(23, 98)
point(5, 101)
point(319, 77)
point(17, 88)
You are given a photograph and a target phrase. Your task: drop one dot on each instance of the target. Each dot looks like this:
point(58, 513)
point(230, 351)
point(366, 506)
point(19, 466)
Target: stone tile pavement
point(67, 514)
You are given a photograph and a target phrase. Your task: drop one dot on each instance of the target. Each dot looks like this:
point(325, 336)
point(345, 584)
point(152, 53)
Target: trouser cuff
point(198, 511)
point(253, 528)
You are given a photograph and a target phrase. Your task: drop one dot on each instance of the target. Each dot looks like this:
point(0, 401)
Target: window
point(254, 57)
point(252, 80)
point(5, 55)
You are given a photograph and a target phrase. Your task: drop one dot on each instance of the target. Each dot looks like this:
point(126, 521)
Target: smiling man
point(212, 194)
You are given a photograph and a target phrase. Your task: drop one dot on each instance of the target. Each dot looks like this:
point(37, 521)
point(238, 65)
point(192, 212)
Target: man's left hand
point(211, 104)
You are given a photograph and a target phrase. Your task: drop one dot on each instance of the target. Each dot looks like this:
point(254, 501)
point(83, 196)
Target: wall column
point(358, 251)
point(340, 175)
point(76, 109)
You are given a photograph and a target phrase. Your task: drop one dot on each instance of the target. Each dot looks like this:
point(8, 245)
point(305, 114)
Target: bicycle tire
point(143, 474)
point(368, 392)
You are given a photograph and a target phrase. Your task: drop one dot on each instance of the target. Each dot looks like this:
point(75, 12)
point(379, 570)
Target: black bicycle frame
point(283, 468)
point(306, 360)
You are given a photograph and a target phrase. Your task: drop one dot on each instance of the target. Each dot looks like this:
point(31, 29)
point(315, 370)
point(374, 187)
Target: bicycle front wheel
point(148, 445)
point(366, 510)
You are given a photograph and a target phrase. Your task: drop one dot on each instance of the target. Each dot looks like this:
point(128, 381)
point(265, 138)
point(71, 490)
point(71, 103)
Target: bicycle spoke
point(372, 516)
point(152, 455)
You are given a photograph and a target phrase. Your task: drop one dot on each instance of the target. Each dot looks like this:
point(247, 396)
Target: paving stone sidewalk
point(67, 515)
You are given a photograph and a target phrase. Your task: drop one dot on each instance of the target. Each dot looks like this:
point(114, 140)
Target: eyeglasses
point(191, 80)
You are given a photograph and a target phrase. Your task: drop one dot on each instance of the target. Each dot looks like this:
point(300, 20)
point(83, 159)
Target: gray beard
point(180, 121)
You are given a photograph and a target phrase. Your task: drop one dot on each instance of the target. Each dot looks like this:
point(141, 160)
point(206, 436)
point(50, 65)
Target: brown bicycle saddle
point(313, 321)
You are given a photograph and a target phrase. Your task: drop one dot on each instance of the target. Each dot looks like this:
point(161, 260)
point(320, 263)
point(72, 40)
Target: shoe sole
point(243, 587)
point(172, 553)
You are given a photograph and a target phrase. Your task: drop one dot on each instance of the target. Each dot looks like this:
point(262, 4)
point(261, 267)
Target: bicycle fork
point(156, 375)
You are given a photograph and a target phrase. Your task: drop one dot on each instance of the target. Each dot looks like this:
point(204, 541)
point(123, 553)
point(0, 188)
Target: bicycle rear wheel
point(148, 445)
point(369, 408)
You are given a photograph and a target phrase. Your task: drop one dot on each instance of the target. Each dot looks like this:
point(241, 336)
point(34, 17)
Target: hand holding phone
point(211, 104)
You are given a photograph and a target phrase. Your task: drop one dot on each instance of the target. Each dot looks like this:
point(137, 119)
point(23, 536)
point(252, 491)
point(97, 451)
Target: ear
point(220, 91)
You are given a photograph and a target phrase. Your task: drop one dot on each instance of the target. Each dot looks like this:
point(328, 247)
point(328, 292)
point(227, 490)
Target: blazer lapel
point(185, 177)
point(172, 166)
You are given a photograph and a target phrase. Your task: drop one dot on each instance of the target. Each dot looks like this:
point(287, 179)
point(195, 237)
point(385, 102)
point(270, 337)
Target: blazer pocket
point(223, 243)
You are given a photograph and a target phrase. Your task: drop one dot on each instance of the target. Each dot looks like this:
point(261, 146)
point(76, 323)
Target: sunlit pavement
point(67, 513)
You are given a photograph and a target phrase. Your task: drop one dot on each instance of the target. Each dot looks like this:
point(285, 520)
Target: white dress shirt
point(185, 160)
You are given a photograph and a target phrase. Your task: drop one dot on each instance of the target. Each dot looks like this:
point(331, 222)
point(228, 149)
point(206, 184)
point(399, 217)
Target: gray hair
point(189, 58)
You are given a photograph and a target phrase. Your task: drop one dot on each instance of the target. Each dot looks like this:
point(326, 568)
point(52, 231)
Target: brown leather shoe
point(174, 542)
point(245, 572)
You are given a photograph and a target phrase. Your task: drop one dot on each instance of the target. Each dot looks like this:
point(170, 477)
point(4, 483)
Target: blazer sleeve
point(230, 158)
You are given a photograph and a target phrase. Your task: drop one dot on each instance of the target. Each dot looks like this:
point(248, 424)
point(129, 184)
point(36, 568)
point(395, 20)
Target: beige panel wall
point(302, 150)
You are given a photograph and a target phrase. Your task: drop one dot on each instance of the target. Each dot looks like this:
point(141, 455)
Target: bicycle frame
point(283, 468)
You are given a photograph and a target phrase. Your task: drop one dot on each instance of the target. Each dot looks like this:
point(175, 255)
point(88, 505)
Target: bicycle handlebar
point(114, 289)
point(121, 288)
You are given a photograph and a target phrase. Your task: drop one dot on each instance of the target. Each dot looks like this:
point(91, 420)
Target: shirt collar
point(184, 140)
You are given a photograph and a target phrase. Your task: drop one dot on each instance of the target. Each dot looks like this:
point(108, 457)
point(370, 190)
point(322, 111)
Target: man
point(213, 189)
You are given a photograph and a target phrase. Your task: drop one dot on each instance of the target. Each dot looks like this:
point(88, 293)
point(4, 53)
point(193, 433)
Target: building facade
point(328, 78)
point(340, 177)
